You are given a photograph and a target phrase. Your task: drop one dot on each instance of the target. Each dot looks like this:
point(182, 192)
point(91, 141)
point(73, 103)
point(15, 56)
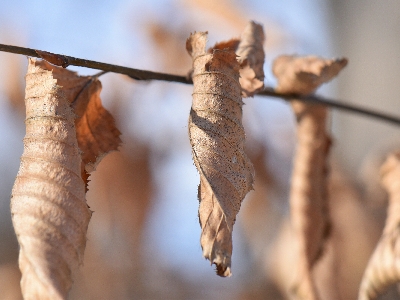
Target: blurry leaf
point(222, 11)
point(251, 57)
point(48, 205)
point(304, 74)
point(250, 50)
point(308, 196)
point(217, 138)
point(173, 57)
point(355, 231)
point(383, 268)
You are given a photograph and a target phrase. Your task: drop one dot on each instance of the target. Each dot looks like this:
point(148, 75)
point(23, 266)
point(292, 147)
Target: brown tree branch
point(64, 61)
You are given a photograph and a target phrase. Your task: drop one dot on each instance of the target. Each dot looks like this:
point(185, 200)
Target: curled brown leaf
point(217, 138)
point(304, 74)
point(308, 196)
point(67, 129)
point(95, 127)
point(48, 205)
point(251, 57)
point(383, 268)
point(250, 51)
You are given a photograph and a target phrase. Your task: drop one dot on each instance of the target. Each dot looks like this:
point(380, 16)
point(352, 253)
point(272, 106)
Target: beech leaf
point(383, 268)
point(67, 131)
point(308, 196)
point(95, 127)
point(48, 205)
point(251, 57)
point(217, 138)
point(304, 74)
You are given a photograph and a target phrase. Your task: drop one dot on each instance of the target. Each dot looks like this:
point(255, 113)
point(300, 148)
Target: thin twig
point(64, 61)
point(333, 103)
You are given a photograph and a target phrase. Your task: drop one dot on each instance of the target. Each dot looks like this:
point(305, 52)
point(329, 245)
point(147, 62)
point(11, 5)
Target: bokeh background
point(143, 240)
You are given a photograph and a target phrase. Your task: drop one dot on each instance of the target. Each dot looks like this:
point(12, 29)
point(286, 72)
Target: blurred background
point(143, 239)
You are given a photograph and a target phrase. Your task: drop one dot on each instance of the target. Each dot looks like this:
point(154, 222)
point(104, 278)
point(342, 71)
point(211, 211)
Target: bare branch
point(334, 104)
point(64, 61)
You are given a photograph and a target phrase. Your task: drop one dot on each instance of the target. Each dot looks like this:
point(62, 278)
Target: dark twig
point(64, 61)
point(333, 103)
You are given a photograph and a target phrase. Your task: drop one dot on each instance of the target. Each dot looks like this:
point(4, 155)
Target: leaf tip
point(222, 262)
point(223, 271)
point(196, 43)
point(304, 74)
point(251, 57)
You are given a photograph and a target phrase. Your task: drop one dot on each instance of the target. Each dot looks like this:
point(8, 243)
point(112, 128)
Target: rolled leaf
point(308, 196)
point(48, 206)
point(251, 57)
point(217, 138)
point(67, 129)
point(383, 268)
point(95, 127)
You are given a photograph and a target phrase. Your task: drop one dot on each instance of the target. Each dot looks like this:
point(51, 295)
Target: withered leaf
point(48, 205)
point(217, 138)
point(304, 74)
point(308, 196)
point(251, 57)
point(66, 130)
point(383, 269)
point(95, 127)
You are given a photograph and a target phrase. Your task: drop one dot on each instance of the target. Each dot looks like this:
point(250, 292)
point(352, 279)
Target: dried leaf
point(251, 57)
point(67, 131)
point(383, 267)
point(221, 11)
point(48, 205)
point(250, 50)
point(354, 233)
point(303, 75)
point(309, 205)
point(308, 195)
point(217, 138)
point(95, 127)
